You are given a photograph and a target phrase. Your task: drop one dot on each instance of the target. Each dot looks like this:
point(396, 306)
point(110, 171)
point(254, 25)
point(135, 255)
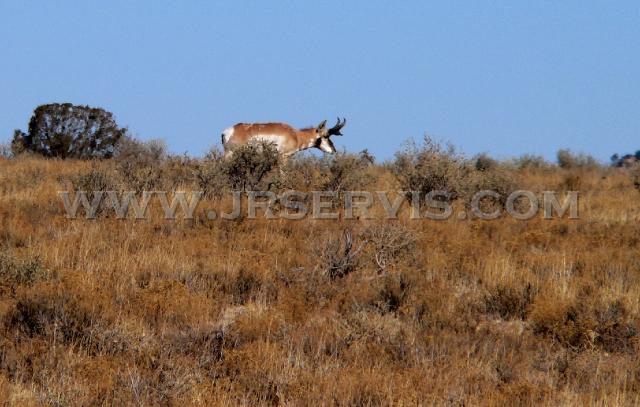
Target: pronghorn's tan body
point(286, 139)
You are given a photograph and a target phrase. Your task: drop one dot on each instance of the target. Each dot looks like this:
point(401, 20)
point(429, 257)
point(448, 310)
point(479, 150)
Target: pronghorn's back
point(244, 132)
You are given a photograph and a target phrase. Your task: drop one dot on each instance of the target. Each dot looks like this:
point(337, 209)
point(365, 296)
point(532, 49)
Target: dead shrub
point(388, 243)
point(338, 256)
point(431, 167)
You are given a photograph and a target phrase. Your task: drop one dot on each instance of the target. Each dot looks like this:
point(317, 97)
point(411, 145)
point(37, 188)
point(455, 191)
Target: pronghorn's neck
point(307, 138)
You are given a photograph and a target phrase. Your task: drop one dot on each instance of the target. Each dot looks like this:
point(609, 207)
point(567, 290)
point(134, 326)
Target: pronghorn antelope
point(286, 139)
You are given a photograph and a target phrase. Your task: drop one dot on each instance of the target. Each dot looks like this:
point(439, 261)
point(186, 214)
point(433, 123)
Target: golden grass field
point(213, 312)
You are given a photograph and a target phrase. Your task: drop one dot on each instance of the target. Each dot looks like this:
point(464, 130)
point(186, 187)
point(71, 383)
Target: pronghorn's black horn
point(335, 130)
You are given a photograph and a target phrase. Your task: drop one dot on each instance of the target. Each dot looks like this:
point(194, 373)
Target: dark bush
point(69, 131)
point(395, 289)
point(571, 182)
point(509, 303)
point(625, 161)
point(483, 162)
point(51, 310)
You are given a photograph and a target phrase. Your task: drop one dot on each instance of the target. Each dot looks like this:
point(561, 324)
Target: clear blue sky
point(505, 77)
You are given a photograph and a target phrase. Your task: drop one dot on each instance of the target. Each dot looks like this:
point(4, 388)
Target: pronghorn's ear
point(322, 125)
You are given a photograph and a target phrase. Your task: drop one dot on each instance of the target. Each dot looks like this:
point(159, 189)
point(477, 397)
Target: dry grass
point(202, 312)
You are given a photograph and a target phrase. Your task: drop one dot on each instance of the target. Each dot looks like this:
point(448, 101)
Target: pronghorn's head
point(323, 134)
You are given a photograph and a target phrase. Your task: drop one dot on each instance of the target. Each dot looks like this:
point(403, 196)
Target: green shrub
point(347, 172)
point(93, 182)
point(431, 167)
point(567, 160)
point(26, 272)
point(249, 165)
point(210, 174)
point(483, 162)
point(496, 179)
point(139, 164)
point(531, 161)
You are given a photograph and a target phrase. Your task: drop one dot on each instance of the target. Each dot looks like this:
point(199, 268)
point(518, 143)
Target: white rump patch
point(226, 135)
